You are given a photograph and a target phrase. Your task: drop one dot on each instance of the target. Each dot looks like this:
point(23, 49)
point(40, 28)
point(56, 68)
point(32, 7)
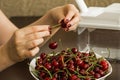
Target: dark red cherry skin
point(74, 50)
point(53, 78)
point(97, 75)
point(63, 24)
point(47, 78)
point(55, 63)
point(43, 55)
point(73, 77)
point(48, 66)
point(53, 45)
point(104, 65)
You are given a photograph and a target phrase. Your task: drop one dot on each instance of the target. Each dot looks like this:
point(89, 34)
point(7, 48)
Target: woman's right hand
point(24, 43)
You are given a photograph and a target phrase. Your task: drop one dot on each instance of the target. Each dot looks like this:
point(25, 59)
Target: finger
point(73, 27)
point(32, 29)
point(75, 19)
point(60, 18)
point(69, 15)
point(37, 35)
point(32, 52)
point(34, 43)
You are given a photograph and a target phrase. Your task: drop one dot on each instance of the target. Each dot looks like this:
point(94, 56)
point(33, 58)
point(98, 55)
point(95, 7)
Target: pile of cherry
point(70, 64)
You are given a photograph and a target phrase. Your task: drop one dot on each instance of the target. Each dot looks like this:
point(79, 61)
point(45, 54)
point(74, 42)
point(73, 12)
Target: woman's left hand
point(68, 13)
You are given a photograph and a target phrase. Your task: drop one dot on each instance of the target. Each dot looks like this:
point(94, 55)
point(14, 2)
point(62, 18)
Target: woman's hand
point(24, 43)
point(69, 13)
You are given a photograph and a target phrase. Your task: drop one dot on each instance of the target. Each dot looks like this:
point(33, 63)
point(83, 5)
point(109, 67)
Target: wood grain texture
point(40, 7)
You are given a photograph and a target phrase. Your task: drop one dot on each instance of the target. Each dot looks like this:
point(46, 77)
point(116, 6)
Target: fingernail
point(69, 25)
point(50, 32)
point(62, 21)
point(66, 29)
point(50, 29)
point(67, 20)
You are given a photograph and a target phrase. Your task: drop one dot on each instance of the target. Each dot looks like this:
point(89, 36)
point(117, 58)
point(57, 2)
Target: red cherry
point(53, 45)
point(40, 61)
point(97, 75)
point(96, 69)
point(55, 63)
point(71, 62)
point(88, 78)
point(85, 66)
point(63, 24)
point(78, 79)
point(47, 78)
point(101, 72)
point(73, 77)
point(79, 62)
point(82, 71)
point(42, 74)
point(104, 65)
point(92, 72)
point(48, 65)
point(74, 50)
point(43, 55)
point(56, 69)
point(53, 78)
point(71, 67)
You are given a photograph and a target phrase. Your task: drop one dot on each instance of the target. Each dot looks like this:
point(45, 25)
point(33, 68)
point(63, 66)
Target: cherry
point(74, 50)
point(88, 78)
point(56, 69)
point(53, 45)
point(82, 71)
point(42, 74)
point(47, 78)
point(73, 77)
point(101, 72)
point(79, 54)
point(71, 67)
point(104, 65)
point(78, 79)
point(97, 75)
point(92, 72)
point(79, 62)
point(48, 65)
point(53, 78)
point(40, 61)
point(43, 55)
point(55, 63)
point(71, 62)
point(96, 69)
point(63, 24)
point(85, 66)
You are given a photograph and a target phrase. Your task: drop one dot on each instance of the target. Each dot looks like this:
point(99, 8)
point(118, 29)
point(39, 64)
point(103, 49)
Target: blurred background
point(40, 7)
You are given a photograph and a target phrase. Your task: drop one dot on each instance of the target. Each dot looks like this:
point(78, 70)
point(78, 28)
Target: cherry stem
point(80, 76)
point(91, 66)
point(58, 72)
point(47, 71)
point(55, 26)
point(70, 58)
point(67, 71)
